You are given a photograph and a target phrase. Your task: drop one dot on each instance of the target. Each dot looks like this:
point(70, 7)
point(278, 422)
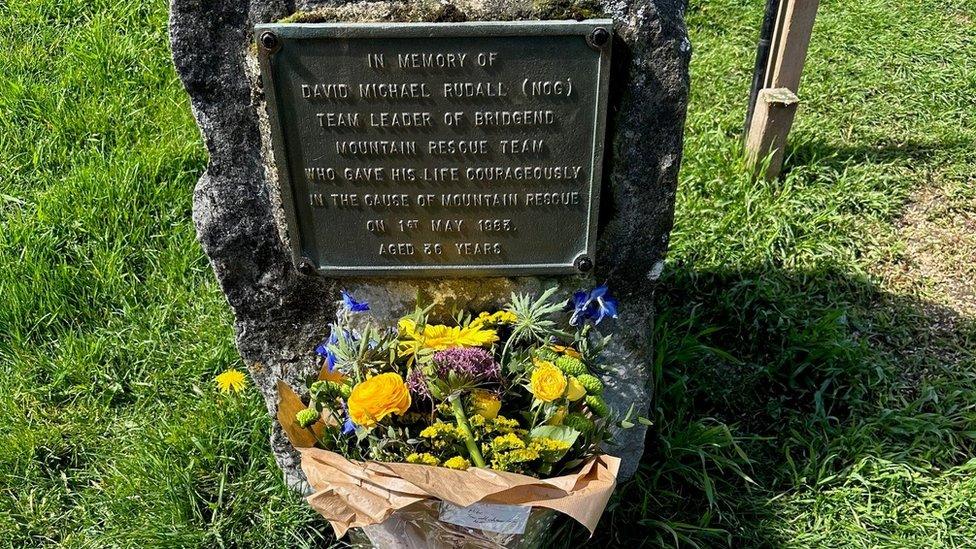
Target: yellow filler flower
point(377, 397)
point(548, 382)
point(231, 381)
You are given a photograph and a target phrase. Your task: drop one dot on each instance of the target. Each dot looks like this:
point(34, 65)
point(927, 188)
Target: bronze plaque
point(438, 149)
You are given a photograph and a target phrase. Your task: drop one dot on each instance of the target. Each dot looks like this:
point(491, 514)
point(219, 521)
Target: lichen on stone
point(445, 12)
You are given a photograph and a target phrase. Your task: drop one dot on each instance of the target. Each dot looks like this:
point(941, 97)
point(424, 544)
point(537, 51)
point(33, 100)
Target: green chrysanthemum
point(592, 383)
point(597, 405)
point(571, 366)
point(579, 422)
point(306, 417)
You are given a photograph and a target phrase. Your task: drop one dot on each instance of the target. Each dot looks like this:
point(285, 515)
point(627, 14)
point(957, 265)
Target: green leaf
point(557, 432)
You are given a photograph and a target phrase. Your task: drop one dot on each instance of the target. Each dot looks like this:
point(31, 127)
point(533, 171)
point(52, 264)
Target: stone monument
point(489, 158)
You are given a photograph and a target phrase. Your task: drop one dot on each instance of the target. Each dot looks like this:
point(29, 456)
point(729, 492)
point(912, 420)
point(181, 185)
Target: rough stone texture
point(281, 314)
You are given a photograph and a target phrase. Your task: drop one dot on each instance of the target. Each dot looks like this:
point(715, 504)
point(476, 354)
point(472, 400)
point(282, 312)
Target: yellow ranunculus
point(576, 390)
point(439, 337)
point(548, 382)
point(377, 397)
point(485, 404)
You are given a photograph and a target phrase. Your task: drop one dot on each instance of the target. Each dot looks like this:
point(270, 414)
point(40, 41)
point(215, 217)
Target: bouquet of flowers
point(496, 408)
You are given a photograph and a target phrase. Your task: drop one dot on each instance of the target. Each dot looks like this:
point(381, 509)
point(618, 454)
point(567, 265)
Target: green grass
point(810, 389)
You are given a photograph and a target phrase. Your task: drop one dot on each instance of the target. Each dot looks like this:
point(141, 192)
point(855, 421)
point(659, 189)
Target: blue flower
point(595, 305)
point(352, 305)
point(323, 350)
point(348, 427)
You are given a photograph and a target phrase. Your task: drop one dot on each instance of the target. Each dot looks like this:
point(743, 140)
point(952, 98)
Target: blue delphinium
point(595, 305)
point(324, 351)
point(352, 305)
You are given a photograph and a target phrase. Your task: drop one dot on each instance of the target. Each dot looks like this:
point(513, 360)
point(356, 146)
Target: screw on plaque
point(584, 264)
point(269, 41)
point(599, 37)
point(306, 267)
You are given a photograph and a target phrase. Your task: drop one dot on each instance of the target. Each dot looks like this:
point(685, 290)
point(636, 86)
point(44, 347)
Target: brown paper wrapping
point(353, 494)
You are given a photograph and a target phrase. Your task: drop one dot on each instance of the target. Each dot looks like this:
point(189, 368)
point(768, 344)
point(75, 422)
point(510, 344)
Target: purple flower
point(595, 305)
point(472, 362)
point(352, 305)
point(417, 384)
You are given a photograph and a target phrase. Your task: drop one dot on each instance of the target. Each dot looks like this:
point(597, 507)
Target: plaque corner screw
point(584, 264)
point(269, 40)
point(599, 37)
point(306, 267)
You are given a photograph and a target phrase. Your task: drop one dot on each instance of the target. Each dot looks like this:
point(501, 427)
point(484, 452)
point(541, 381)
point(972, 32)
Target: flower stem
point(462, 423)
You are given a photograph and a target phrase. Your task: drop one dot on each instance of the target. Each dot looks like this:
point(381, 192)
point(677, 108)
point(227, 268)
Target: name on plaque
point(438, 149)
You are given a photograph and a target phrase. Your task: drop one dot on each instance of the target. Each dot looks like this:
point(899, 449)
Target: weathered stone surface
point(281, 313)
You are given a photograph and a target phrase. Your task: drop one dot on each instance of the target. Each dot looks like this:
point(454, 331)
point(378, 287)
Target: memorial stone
point(456, 152)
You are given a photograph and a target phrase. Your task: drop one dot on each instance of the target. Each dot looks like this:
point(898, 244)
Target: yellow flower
point(548, 382)
point(546, 444)
point(439, 429)
point(558, 416)
point(485, 404)
point(498, 317)
point(377, 397)
point(511, 441)
point(457, 462)
point(423, 459)
point(576, 390)
point(438, 337)
point(231, 381)
point(568, 351)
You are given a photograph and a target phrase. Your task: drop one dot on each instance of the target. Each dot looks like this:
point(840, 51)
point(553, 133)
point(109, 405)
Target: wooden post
point(791, 38)
point(771, 121)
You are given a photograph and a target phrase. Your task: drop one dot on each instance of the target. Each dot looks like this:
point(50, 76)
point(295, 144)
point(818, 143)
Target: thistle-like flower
point(473, 363)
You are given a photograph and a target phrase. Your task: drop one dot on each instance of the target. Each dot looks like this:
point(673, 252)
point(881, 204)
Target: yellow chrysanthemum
point(438, 337)
point(231, 381)
point(457, 462)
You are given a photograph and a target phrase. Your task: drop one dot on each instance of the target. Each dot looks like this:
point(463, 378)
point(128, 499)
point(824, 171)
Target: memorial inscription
point(438, 149)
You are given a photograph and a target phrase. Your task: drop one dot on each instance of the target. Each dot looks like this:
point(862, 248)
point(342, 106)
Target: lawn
point(816, 365)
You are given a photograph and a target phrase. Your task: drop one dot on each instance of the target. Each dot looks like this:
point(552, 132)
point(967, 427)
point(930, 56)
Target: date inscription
point(438, 150)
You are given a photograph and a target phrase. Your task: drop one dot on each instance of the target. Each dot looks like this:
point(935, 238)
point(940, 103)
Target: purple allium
point(417, 384)
point(472, 362)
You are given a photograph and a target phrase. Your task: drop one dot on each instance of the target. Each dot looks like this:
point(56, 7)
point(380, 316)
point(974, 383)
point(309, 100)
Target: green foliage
point(799, 401)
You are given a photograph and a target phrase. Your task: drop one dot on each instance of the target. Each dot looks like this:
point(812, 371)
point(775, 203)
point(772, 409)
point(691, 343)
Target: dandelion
point(231, 381)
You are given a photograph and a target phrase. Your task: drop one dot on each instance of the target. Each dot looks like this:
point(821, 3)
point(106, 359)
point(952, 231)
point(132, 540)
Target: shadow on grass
point(769, 381)
point(811, 151)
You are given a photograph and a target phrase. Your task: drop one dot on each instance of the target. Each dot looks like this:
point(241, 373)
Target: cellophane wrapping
point(420, 527)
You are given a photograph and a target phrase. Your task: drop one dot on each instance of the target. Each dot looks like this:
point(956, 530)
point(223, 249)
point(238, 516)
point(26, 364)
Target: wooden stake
point(775, 109)
point(776, 102)
point(791, 38)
